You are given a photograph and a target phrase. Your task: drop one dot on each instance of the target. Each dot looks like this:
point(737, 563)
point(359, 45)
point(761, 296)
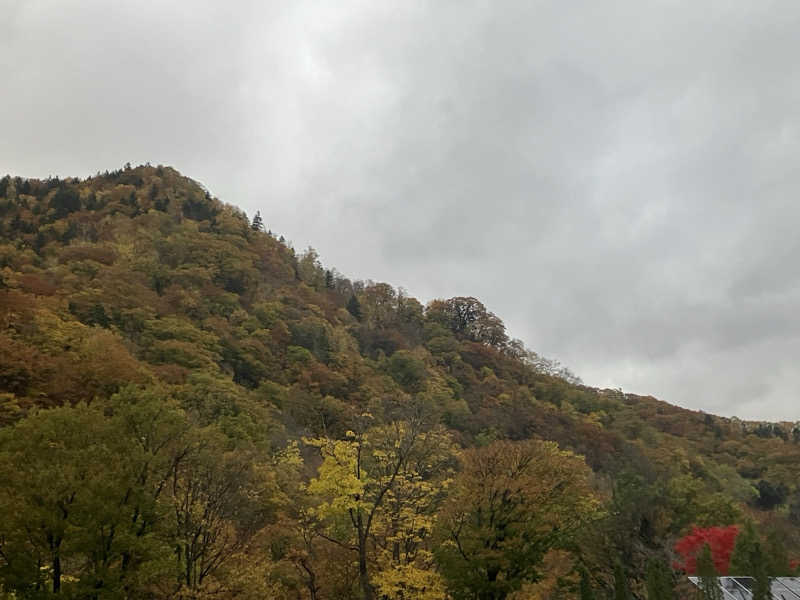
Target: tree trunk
point(311, 581)
point(56, 573)
point(363, 576)
point(55, 555)
point(312, 586)
point(188, 568)
point(493, 593)
point(363, 573)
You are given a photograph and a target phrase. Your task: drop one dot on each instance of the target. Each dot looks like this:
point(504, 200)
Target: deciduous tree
point(378, 492)
point(511, 503)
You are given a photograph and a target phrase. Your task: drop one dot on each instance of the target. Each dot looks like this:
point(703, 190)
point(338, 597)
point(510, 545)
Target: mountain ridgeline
point(189, 408)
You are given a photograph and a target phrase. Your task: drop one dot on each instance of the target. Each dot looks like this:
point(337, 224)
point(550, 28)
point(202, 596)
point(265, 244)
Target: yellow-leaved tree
point(378, 492)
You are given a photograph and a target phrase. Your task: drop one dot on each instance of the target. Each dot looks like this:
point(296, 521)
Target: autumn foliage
point(720, 540)
point(191, 408)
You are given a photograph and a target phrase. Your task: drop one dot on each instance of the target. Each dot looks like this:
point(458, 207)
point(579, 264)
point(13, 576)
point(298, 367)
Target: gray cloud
point(616, 180)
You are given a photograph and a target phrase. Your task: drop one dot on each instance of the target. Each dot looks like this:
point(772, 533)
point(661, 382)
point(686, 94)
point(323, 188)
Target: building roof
point(740, 588)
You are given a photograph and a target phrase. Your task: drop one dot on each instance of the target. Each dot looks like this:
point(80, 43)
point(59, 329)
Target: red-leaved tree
point(721, 541)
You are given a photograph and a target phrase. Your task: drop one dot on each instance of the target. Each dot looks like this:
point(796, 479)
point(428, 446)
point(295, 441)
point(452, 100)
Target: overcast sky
point(618, 181)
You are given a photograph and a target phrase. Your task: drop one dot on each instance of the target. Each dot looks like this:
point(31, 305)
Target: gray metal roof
point(740, 588)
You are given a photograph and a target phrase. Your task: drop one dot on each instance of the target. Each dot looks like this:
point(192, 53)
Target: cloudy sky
point(617, 180)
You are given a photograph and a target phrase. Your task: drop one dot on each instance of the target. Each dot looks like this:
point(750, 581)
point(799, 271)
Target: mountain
point(189, 407)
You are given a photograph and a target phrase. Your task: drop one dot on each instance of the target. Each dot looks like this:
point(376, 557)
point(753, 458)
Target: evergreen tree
point(354, 307)
point(744, 551)
point(621, 589)
point(762, 586)
point(659, 580)
point(776, 555)
point(328, 279)
point(750, 559)
point(98, 316)
point(709, 588)
point(258, 223)
point(586, 591)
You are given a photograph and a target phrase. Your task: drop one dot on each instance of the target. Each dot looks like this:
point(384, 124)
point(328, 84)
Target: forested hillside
point(191, 408)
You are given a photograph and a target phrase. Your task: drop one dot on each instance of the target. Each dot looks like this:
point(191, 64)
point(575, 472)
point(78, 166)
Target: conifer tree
point(354, 307)
point(749, 559)
point(258, 223)
point(586, 591)
point(744, 551)
point(775, 550)
point(709, 585)
point(621, 589)
point(762, 586)
point(659, 580)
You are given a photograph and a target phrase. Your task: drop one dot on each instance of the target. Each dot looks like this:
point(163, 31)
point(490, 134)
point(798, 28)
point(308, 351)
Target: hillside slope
point(139, 284)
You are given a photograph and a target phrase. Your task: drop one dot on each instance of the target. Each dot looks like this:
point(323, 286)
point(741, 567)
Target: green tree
point(586, 591)
point(659, 580)
point(622, 590)
point(708, 588)
point(354, 307)
point(46, 462)
point(746, 552)
point(776, 550)
point(510, 504)
point(81, 497)
point(102, 499)
point(407, 370)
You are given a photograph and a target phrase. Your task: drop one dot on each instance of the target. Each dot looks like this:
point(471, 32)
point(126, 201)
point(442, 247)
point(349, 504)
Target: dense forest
point(190, 408)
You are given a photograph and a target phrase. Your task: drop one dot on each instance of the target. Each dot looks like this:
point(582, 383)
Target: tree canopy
point(191, 408)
